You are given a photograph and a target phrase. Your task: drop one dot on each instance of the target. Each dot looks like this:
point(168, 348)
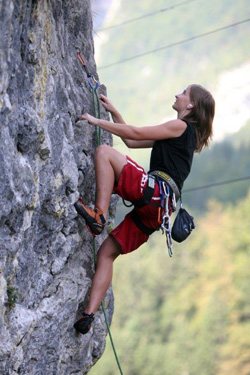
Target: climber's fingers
point(107, 103)
point(104, 100)
point(91, 119)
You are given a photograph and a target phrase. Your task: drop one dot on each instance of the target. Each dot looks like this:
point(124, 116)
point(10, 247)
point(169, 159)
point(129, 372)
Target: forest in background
point(188, 315)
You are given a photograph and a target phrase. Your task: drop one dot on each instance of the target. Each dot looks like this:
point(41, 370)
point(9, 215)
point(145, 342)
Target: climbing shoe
point(83, 325)
point(94, 218)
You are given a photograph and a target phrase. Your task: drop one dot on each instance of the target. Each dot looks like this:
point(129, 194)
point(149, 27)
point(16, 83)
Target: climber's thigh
point(132, 181)
point(107, 154)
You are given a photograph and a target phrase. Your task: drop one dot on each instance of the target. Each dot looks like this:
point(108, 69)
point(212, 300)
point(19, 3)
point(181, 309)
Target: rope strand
point(97, 113)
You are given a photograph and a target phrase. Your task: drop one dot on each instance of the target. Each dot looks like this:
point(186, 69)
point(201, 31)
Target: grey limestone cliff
point(46, 160)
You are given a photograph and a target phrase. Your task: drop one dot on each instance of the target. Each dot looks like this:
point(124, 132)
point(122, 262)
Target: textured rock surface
point(46, 159)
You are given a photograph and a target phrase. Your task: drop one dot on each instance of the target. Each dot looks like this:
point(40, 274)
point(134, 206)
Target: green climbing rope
point(106, 318)
point(97, 113)
point(94, 84)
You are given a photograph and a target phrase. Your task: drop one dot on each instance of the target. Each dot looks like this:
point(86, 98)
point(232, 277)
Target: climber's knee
point(110, 249)
point(103, 151)
point(107, 154)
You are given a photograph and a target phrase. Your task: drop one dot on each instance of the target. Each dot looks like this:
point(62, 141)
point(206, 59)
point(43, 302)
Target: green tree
point(188, 314)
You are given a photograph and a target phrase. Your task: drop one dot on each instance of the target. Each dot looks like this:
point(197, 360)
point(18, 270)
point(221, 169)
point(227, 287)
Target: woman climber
point(173, 144)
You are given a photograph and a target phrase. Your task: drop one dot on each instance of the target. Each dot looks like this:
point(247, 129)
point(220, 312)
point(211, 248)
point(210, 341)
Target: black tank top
point(175, 155)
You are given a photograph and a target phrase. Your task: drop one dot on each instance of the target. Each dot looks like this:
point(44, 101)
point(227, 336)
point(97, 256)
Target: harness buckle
point(151, 182)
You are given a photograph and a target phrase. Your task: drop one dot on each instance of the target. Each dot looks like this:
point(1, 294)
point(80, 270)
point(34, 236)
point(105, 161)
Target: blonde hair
point(202, 114)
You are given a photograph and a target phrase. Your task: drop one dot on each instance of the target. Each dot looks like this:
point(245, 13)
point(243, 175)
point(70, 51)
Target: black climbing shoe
point(94, 218)
point(83, 325)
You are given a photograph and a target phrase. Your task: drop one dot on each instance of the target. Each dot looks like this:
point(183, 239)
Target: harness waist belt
point(164, 176)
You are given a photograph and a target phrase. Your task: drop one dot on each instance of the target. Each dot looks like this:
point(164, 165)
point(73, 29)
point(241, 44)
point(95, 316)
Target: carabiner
point(93, 83)
point(164, 226)
point(169, 244)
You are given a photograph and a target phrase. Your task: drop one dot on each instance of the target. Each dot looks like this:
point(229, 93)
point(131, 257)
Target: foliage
point(12, 294)
point(225, 161)
point(188, 314)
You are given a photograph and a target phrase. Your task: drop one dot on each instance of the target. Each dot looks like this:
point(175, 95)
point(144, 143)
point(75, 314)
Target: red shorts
point(131, 185)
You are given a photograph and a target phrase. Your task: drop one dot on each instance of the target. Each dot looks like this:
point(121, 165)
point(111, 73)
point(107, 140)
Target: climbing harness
point(163, 211)
point(148, 193)
point(94, 84)
point(169, 181)
point(169, 194)
point(140, 224)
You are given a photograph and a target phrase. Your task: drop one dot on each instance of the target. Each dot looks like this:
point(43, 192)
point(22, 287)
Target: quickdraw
point(93, 83)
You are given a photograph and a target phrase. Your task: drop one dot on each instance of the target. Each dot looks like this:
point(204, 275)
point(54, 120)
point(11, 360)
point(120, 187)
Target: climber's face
point(182, 101)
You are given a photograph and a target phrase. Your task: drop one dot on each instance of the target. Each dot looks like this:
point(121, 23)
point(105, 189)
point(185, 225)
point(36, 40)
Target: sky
point(232, 101)
point(232, 94)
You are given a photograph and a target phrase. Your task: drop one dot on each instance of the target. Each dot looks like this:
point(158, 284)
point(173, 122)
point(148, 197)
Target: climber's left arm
point(169, 129)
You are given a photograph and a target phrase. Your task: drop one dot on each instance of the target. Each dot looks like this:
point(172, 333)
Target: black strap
point(148, 193)
point(140, 225)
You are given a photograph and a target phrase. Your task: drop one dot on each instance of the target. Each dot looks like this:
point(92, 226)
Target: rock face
point(46, 160)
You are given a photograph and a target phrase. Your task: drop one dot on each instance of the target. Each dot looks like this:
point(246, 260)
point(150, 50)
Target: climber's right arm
point(118, 119)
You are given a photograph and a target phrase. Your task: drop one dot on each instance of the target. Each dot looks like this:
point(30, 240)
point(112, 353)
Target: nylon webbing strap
point(140, 225)
point(148, 193)
point(171, 183)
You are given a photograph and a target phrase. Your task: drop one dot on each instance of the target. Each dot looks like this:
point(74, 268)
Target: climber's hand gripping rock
point(91, 119)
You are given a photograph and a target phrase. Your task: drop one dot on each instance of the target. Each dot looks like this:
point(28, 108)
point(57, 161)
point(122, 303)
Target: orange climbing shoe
point(83, 325)
point(94, 218)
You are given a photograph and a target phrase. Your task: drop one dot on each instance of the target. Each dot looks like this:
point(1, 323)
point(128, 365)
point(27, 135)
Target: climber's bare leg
point(108, 252)
point(108, 166)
